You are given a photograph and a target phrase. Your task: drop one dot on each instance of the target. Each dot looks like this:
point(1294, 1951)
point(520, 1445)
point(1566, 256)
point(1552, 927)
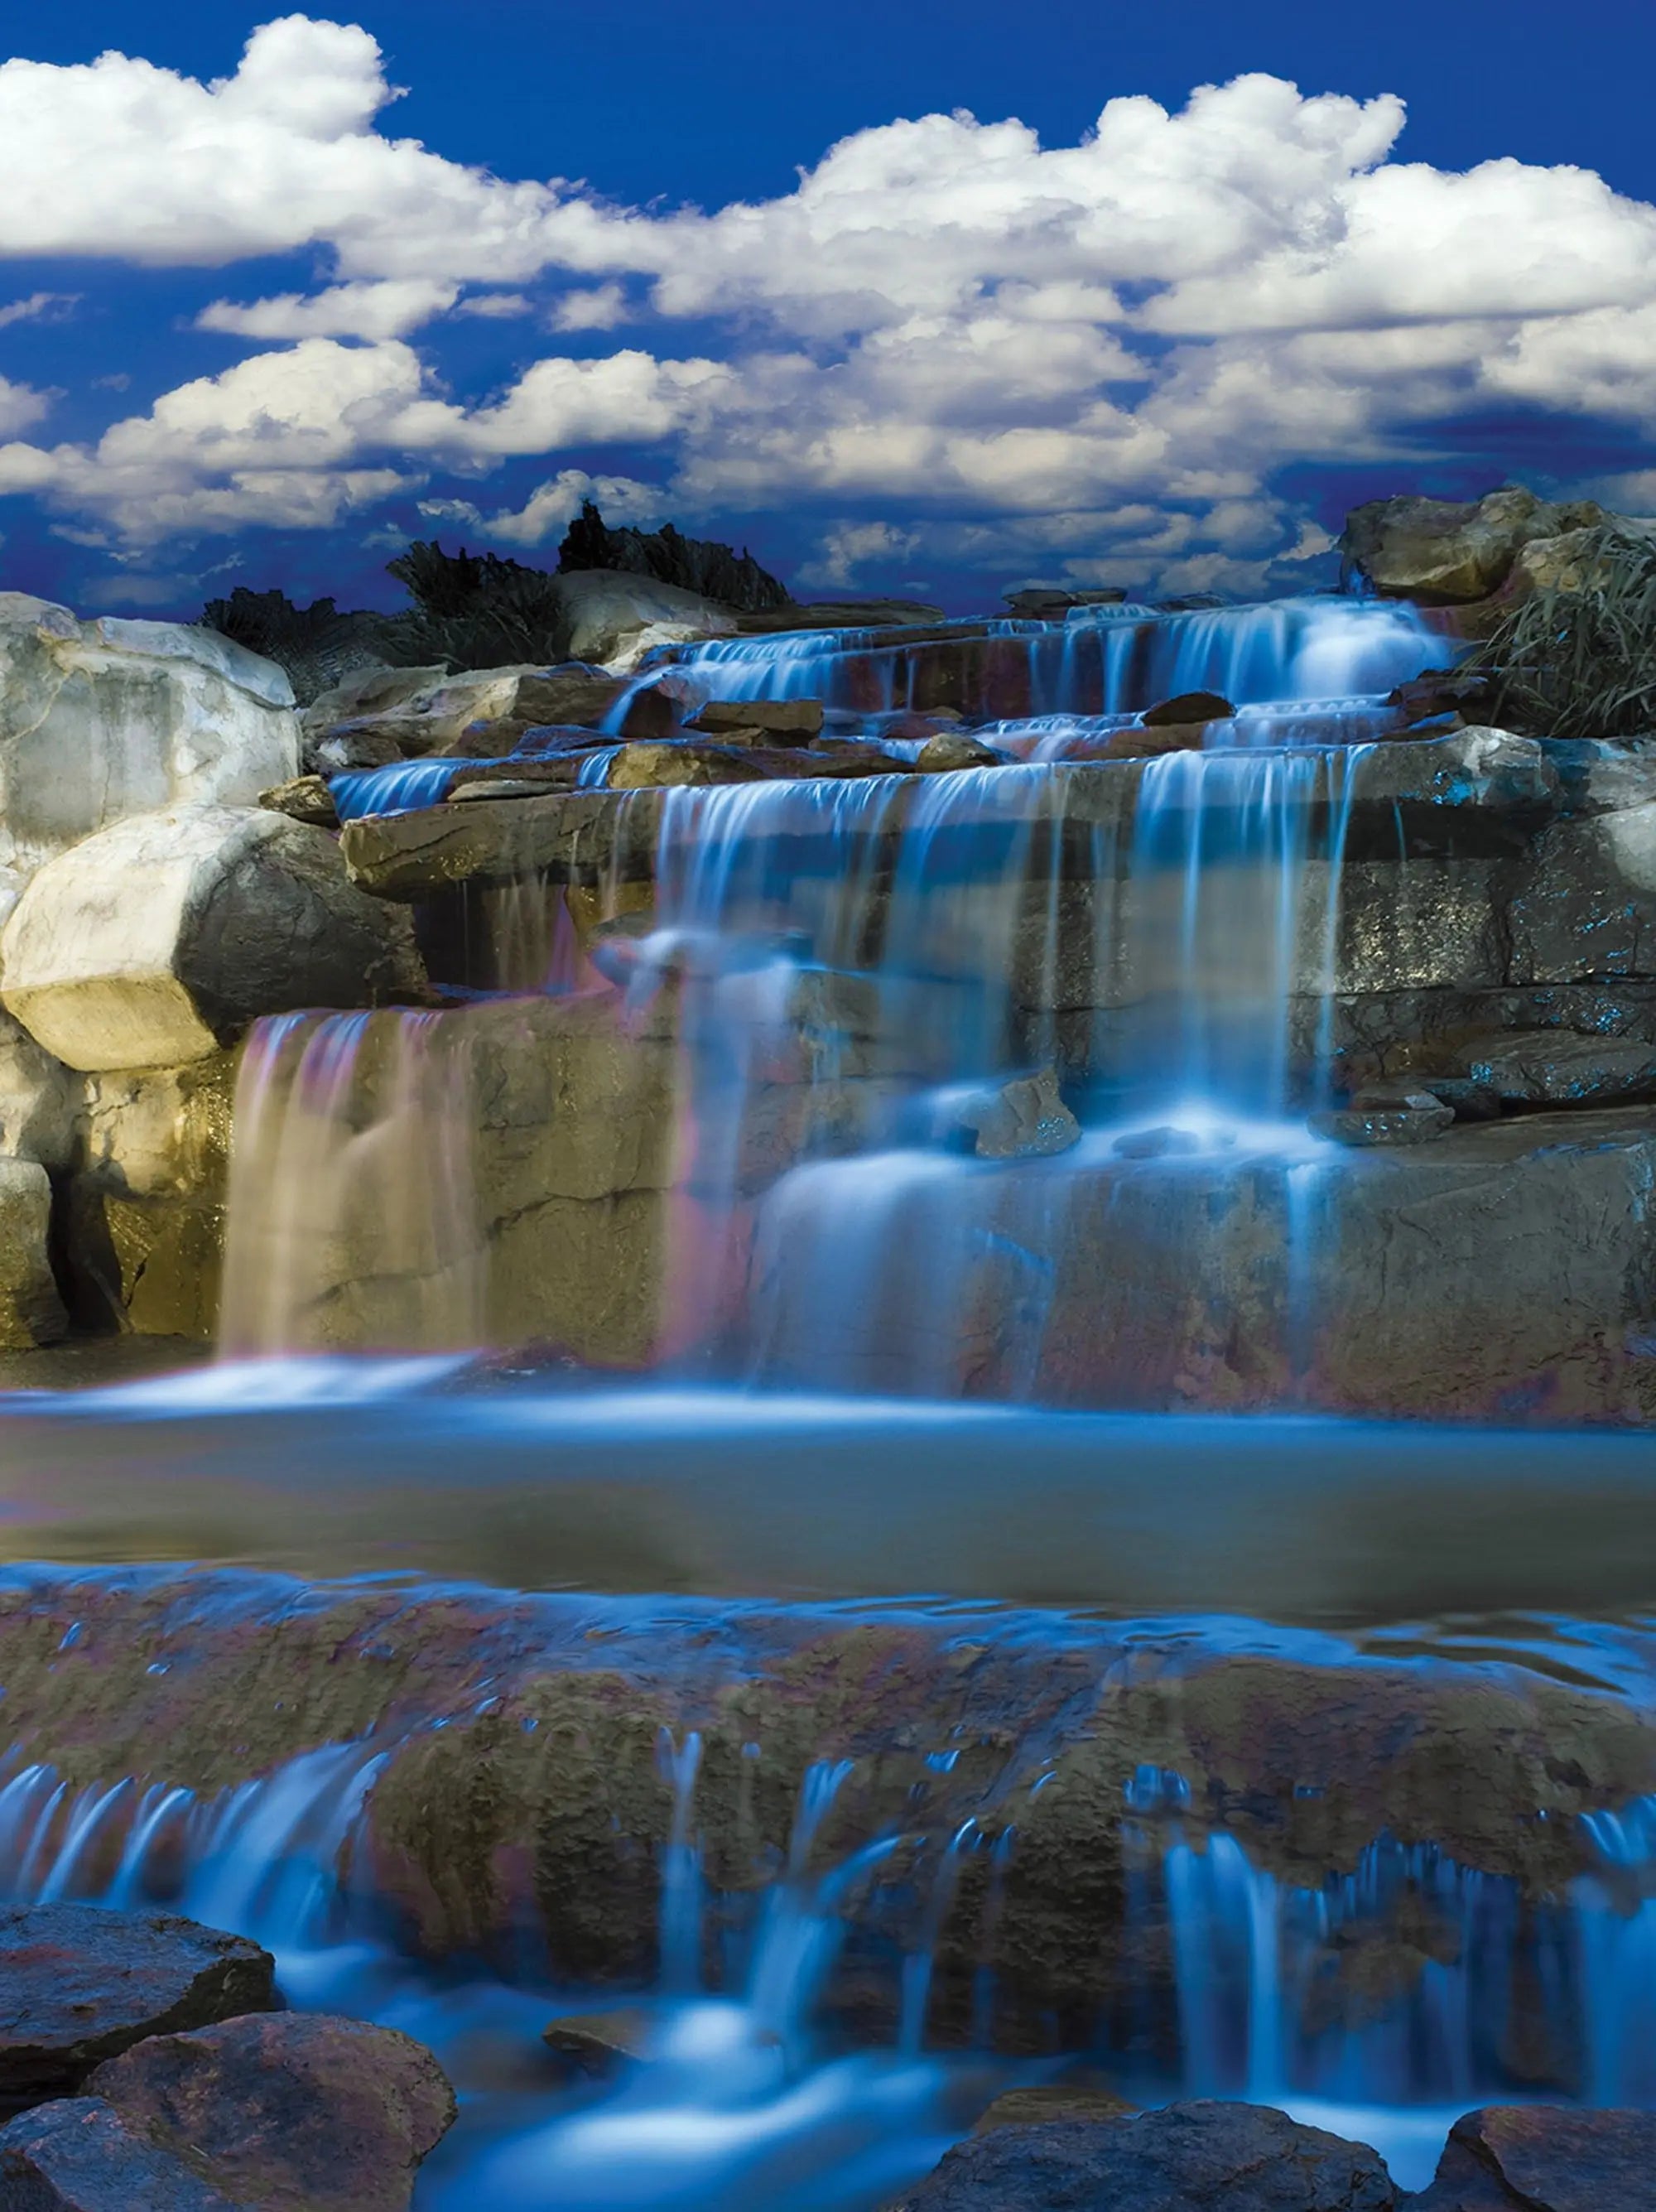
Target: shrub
point(695, 564)
point(474, 609)
point(317, 644)
point(1577, 657)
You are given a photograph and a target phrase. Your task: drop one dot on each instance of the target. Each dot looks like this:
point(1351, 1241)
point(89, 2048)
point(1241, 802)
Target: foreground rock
point(391, 714)
point(1444, 552)
point(105, 718)
point(159, 940)
point(1546, 2158)
point(78, 2155)
point(31, 1309)
point(1187, 2158)
point(1024, 1118)
point(286, 2109)
point(79, 1985)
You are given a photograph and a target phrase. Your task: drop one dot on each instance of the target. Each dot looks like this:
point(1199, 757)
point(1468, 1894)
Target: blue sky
point(872, 289)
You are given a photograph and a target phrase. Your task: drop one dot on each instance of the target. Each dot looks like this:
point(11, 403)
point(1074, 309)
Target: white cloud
point(598, 308)
point(387, 310)
point(495, 306)
point(21, 407)
point(40, 307)
point(851, 548)
point(552, 507)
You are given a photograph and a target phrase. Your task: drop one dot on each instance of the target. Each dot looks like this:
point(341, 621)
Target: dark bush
point(317, 644)
point(1577, 659)
point(474, 609)
point(695, 564)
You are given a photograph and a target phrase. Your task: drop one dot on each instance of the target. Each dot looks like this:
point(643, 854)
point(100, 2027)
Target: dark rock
point(1551, 1067)
point(1052, 602)
point(79, 2155)
point(840, 614)
point(1023, 1119)
point(1053, 2100)
point(1386, 1116)
point(950, 749)
point(783, 721)
point(287, 2109)
point(1467, 1098)
point(597, 2042)
point(306, 798)
point(1188, 706)
point(79, 1985)
point(1156, 1144)
point(1546, 2158)
point(1187, 2158)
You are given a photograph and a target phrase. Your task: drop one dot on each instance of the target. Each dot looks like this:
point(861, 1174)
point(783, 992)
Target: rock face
point(161, 939)
point(31, 1310)
point(1443, 552)
point(1545, 2159)
point(103, 719)
point(82, 1984)
point(1187, 2158)
point(286, 2109)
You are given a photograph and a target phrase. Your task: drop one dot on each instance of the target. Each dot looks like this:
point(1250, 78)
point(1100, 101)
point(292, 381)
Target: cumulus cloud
point(552, 507)
point(40, 307)
point(850, 548)
point(1003, 337)
point(21, 407)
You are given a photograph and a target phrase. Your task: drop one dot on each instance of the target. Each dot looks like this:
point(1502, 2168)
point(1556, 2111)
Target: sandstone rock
point(1386, 1117)
point(1546, 2158)
point(1024, 1118)
point(161, 939)
point(952, 749)
point(1551, 1067)
point(39, 1100)
point(643, 767)
point(588, 835)
point(1568, 562)
point(1188, 706)
point(31, 1310)
point(82, 1984)
point(598, 2042)
point(1186, 2158)
point(306, 798)
point(286, 2109)
point(1445, 552)
point(100, 720)
point(77, 2154)
point(525, 779)
point(781, 720)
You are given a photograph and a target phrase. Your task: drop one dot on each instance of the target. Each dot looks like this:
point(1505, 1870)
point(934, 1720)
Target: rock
point(1449, 551)
point(1386, 1117)
point(518, 780)
point(1185, 2158)
point(31, 1310)
point(606, 609)
point(484, 713)
point(78, 2155)
point(306, 798)
point(1052, 2101)
point(1156, 1144)
point(286, 2109)
point(1546, 2158)
point(100, 720)
point(839, 614)
point(1051, 602)
point(598, 2042)
point(82, 1984)
point(1467, 1098)
point(783, 721)
point(159, 940)
point(952, 749)
point(1552, 1068)
point(39, 1100)
point(1189, 706)
point(644, 766)
point(1572, 562)
point(370, 691)
point(1023, 1119)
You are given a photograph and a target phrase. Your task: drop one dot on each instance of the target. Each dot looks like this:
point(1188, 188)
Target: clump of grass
point(474, 609)
point(1577, 657)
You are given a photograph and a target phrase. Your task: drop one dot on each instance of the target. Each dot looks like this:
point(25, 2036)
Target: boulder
point(286, 2109)
point(595, 2043)
point(1444, 552)
point(79, 2155)
point(1555, 1068)
point(780, 722)
point(100, 720)
point(644, 767)
point(83, 1985)
point(1546, 2158)
point(1022, 1119)
point(949, 750)
point(1386, 1116)
point(1051, 602)
point(1188, 706)
point(31, 1310)
point(1186, 2158)
point(305, 798)
point(159, 940)
point(482, 714)
point(606, 610)
point(39, 1100)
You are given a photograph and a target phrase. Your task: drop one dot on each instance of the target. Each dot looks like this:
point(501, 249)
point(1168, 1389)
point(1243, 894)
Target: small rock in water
point(1189, 706)
point(79, 2155)
point(597, 2042)
point(1156, 1144)
point(952, 749)
point(1024, 1118)
point(1186, 2158)
point(1546, 2158)
point(82, 1984)
point(1386, 1117)
point(287, 2109)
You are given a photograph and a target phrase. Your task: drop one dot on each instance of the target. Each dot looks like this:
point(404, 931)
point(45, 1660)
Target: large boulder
point(477, 714)
point(286, 2109)
point(1546, 2158)
point(31, 1311)
point(82, 1984)
point(1444, 551)
point(103, 719)
point(607, 611)
point(77, 2154)
point(158, 940)
point(1186, 2158)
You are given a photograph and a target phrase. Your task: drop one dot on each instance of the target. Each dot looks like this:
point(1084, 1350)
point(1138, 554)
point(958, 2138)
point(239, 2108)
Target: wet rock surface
point(286, 2109)
point(1399, 1116)
point(1520, 2158)
point(79, 1985)
point(79, 2155)
point(1187, 2158)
